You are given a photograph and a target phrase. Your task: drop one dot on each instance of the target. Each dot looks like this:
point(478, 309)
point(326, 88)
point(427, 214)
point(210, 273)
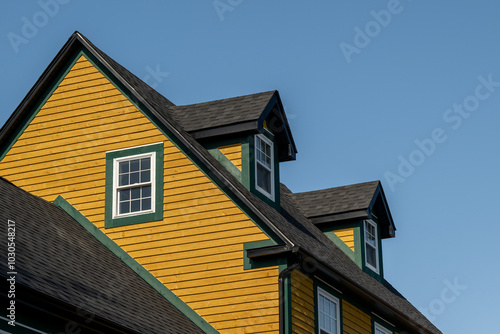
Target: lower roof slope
point(57, 257)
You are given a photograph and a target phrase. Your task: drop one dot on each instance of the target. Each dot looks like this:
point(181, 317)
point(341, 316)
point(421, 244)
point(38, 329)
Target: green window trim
point(110, 200)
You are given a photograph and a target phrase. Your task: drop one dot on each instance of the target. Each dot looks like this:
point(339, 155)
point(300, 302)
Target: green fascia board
point(157, 215)
point(136, 266)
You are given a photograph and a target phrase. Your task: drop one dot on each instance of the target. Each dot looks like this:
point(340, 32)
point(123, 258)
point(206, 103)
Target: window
point(134, 185)
point(371, 245)
point(264, 166)
point(328, 313)
point(381, 330)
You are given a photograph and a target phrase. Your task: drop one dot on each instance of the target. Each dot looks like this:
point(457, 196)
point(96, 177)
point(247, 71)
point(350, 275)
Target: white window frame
point(377, 261)
point(381, 329)
point(334, 300)
point(270, 143)
point(117, 188)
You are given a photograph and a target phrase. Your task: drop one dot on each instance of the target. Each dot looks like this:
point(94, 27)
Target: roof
point(356, 201)
point(57, 257)
point(289, 225)
point(212, 114)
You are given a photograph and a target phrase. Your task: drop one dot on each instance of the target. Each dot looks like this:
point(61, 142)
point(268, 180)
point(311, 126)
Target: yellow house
point(190, 198)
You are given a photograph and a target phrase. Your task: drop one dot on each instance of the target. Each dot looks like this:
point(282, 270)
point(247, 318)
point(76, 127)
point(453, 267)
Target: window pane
point(145, 163)
point(135, 193)
point(134, 178)
point(135, 206)
point(123, 167)
point(371, 256)
point(146, 204)
point(263, 178)
point(124, 207)
point(134, 165)
point(146, 191)
point(145, 176)
point(123, 180)
point(124, 195)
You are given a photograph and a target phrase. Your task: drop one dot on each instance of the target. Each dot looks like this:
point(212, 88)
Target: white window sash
point(117, 188)
point(258, 163)
point(370, 223)
point(334, 300)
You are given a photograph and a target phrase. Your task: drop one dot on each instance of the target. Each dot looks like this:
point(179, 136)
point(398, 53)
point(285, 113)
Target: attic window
point(371, 246)
point(264, 166)
point(134, 185)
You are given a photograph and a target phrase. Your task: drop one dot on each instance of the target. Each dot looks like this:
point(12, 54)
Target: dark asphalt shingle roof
point(336, 200)
point(223, 112)
point(57, 257)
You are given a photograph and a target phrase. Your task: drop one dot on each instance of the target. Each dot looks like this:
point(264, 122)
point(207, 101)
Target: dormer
point(356, 218)
point(249, 135)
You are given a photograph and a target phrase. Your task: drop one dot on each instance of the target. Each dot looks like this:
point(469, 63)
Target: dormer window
point(371, 246)
point(264, 166)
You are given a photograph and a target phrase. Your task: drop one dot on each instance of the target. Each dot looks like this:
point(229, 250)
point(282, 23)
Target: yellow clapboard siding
point(347, 236)
point(225, 288)
point(196, 299)
point(196, 250)
point(242, 322)
point(354, 320)
point(216, 302)
point(302, 292)
point(233, 153)
point(187, 230)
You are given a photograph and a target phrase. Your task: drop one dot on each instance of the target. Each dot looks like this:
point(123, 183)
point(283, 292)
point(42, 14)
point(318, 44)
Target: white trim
point(270, 143)
point(152, 182)
point(334, 300)
point(377, 261)
point(382, 329)
point(131, 148)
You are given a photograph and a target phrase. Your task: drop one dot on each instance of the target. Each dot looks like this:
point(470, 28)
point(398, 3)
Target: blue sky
point(406, 92)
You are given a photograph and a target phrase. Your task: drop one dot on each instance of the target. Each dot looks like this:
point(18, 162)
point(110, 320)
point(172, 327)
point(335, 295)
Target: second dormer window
point(371, 245)
point(264, 166)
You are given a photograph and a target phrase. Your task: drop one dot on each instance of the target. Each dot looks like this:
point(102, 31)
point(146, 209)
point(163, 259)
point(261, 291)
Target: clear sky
point(406, 92)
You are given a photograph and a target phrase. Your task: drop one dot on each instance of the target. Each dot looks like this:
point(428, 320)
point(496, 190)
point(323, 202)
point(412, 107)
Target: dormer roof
point(352, 202)
point(239, 116)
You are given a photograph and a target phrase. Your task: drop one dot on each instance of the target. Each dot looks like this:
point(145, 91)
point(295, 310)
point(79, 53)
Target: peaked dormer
point(248, 134)
point(355, 217)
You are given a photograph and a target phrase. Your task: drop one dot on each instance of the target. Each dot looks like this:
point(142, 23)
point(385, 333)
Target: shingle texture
point(224, 112)
point(336, 200)
point(56, 256)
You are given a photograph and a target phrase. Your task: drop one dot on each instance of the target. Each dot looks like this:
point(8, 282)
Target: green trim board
point(261, 263)
point(228, 164)
point(134, 265)
point(157, 214)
